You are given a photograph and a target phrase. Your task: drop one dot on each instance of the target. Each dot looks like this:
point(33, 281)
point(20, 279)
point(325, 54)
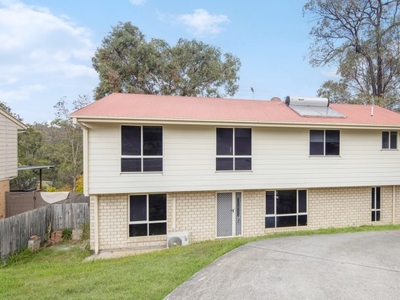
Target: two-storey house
point(218, 168)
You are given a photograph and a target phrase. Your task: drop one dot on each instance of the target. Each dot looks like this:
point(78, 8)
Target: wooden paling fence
point(16, 230)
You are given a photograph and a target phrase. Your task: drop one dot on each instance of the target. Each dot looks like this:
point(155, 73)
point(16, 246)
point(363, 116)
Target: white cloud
point(44, 57)
point(137, 2)
point(202, 23)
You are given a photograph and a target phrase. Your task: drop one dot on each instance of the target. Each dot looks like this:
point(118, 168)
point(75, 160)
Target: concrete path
point(364, 265)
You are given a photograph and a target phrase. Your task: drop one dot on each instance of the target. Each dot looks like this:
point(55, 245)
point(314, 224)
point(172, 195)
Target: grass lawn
point(59, 272)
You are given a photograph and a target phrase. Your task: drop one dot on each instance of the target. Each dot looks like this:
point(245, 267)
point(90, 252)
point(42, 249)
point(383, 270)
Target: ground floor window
point(147, 215)
point(285, 208)
point(375, 204)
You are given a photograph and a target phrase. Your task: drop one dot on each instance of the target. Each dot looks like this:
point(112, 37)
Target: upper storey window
point(141, 149)
point(324, 142)
point(389, 140)
point(233, 149)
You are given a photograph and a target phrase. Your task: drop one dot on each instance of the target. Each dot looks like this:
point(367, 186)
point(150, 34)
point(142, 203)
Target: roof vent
point(312, 107)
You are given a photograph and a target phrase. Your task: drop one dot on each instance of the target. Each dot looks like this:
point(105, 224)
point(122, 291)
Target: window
point(141, 149)
point(147, 215)
point(389, 139)
point(285, 208)
point(376, 204)
point(233, 149)
point(324, 142)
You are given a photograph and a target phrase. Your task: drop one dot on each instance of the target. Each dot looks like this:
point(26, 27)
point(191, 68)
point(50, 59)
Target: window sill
point(390, 150)
point(141, 173)
point(233, 171)
point(335, 156)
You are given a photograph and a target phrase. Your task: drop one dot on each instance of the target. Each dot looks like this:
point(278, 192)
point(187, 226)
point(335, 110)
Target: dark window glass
point(373, 198)
point(131, 140)
point(243, 141)
point(243, 163)
point(373, 216)
point(286, 221)
point(286, 202)
point(138, 208)
point(224, 141)
point(393, 140)
point(378, 198)
point(270, 222)
point(332, 142)
point(152, 164)
point(316, 142)
point(157, 228)
point(157, 207)
point(385, 140)
point(152, 140)
point(224, 163)
point(131, 164)
point(302, 201)
point(138, 230)
point(378, 215)
point(270, 203)
point(302, 221)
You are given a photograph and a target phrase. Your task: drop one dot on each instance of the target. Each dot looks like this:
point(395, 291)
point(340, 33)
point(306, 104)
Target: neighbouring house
point(9, 128)
point(216, 168)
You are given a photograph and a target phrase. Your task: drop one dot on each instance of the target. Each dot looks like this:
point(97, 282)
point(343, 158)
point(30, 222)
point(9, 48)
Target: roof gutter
point(86, 120)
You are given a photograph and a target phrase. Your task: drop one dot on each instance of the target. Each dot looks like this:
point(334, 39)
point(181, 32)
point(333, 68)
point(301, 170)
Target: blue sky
point(46, 46)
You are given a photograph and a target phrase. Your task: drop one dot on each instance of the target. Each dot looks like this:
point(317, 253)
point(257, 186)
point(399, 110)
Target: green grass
point(59, 271)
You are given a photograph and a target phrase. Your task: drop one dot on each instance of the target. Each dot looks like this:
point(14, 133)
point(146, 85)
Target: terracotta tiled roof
point(170, 108)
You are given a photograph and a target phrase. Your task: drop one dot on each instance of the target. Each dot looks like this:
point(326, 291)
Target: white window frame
point(297, 213)
point(142, 156)
point(324, 143)
point(233, 156)
point(389, 147)
point(147, 221)
point(375, 210)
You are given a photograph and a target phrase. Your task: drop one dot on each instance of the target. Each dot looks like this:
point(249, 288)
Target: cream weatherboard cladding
point(8, 148)
point(280, 159)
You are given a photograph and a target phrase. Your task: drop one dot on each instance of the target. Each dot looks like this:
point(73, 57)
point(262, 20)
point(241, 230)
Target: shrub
point(67, 233)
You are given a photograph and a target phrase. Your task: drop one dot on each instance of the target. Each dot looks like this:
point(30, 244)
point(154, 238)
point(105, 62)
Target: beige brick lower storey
point(4, 187)
point(196, 213)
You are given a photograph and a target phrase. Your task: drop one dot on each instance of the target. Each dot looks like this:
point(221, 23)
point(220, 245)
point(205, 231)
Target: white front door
point(229, 214)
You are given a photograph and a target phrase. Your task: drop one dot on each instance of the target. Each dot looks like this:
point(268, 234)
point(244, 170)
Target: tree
point(4, 106)
point(362, 38)
point(126, 62)
point(68, 147)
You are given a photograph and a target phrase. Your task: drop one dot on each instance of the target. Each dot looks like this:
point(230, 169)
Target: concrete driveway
point(364, 265)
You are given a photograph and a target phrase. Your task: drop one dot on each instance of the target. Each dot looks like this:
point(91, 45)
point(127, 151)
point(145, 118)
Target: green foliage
point(85, 231)
point(360, 38)
point(67, 233)
point(126, 62)
point(26, 180)
point(7, 109)
point(20, 257)
point(49, 188)
point(58, 143)
point(68, 148)
point(79, 184)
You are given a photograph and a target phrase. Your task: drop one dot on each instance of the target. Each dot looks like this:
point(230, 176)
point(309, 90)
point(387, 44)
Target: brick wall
point(253, 213)
point(196, 212)
point(113, 225)
point(4, 187)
